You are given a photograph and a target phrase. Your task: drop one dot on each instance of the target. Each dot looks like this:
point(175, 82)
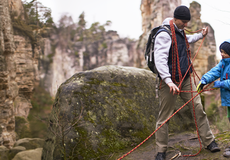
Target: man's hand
point(205, 31)
point(173, 87)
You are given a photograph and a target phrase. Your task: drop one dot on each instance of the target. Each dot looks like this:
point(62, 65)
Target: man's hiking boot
point(161, 156)
point(227, 152)
point(213, 147)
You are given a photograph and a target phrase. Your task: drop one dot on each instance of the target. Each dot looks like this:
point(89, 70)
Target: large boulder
point(30, 143)
point(33, 154)
point(4, 153)
point(15, 150)
point(101, 111)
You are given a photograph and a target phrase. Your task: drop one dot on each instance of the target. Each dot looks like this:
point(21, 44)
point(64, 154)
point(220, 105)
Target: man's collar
point(180, 30)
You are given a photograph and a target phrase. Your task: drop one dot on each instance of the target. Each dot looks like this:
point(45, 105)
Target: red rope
point(175, 58)
point(175, 55)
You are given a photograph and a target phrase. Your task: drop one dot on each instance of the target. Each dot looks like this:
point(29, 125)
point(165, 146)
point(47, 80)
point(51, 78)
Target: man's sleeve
point(161, 53)
point(195, 37)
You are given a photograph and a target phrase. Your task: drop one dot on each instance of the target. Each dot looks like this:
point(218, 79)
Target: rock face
point(206, 58)
point(18, 72)
point(26, 59)
point(8, 85)
point(154, 12)
point(81, 56)
point(26, 55)
point(104, 110)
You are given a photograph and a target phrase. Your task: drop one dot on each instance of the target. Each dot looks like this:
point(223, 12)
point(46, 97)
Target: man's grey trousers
point(167, 107)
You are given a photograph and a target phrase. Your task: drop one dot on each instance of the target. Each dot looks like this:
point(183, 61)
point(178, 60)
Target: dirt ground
point(186, 143)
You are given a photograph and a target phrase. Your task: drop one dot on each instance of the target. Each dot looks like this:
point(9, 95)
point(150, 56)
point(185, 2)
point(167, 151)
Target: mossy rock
point(30, 143)
point(4, 153)
point(110, 108)
point(21, 127)
point(34, 154)
point(15, 150)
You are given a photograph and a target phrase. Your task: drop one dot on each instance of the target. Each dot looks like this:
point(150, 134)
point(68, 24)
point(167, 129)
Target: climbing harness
point(175, 61)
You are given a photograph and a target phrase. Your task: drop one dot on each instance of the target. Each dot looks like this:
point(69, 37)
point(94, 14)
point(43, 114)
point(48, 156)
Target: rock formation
point(26, 148)
point(8, 84)
point(104, 110)
point(206, 58)
point(83, 55)
point(18, 72)
point(26, 57)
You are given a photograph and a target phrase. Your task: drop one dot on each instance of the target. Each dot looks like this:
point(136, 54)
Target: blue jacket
point(222, 71)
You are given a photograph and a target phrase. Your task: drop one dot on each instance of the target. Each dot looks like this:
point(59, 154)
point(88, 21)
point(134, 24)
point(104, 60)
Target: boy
point(222, 71)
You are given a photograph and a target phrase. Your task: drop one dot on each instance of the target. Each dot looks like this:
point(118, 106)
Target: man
point(171, 77)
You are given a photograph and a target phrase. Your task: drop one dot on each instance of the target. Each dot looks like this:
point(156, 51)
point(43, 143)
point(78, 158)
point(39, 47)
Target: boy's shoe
point(161, 156)
point(213, 147)
point(227, 152)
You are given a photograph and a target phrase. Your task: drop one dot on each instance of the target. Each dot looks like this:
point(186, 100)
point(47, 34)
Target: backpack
point(149, 51)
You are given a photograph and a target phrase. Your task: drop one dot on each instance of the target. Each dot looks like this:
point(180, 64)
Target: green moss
point(76, 53)
point(22, 127)
point(50, 56)
point(104, 45)
point(79, 144)
point(41, 107)
point(105, 83)
point(24, 29)
point(85, 54)
point(118, 112)
point(110, 141)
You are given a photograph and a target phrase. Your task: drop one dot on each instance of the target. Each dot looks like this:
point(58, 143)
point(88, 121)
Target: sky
point(126, 15)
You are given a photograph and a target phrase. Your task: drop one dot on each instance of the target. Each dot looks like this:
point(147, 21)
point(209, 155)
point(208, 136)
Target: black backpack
point(149, 51)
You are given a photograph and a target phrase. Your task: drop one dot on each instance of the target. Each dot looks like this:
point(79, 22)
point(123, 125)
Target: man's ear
point(175, 19)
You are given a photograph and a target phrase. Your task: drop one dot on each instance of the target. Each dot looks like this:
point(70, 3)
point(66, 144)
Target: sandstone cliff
point(8, 84)
point(84, 55)
point(19, 69)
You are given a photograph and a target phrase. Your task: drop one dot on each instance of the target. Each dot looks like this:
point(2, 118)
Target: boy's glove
point(201, 84)
point(218, 84)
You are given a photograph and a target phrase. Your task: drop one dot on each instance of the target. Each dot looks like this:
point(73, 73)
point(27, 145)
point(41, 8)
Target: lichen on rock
point(102, 111)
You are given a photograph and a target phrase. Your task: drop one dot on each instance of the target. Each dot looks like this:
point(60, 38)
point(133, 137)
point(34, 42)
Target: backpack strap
point(168, 29)
point(163, 28)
